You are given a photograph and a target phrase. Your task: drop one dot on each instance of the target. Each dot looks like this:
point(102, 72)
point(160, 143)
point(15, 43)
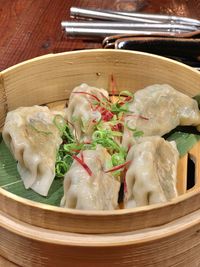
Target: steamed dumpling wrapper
point(98, 191)
point(80, 112)
point(151, 175)
point(33, 139)
point(157, 109)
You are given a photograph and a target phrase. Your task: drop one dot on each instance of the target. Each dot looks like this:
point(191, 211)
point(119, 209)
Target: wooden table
point(30, 28)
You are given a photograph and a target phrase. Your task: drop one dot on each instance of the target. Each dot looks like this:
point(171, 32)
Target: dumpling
point(33, 139)
point(80, 110)
point(96, 191)
point(158, 109)
point(151, 175)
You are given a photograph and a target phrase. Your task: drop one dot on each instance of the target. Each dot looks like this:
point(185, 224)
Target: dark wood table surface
point(30, 28)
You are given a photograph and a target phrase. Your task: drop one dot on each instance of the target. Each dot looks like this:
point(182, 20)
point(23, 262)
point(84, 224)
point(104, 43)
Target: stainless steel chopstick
point(161, 18)
point(129, 26)
point(101, 33)
point(132, 16)
point(90, 13)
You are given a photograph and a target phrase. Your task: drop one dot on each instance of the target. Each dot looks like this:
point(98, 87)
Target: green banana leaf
point(11, 181)
point(184, 141)
point(185, 136)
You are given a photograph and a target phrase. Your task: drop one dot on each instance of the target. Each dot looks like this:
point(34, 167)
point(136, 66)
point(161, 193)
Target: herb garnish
point(107, 131)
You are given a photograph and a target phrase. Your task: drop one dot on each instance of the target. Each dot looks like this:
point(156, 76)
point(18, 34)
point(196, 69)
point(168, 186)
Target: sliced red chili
point(116, 168)
point(85, 93)
point(83, 164)
point(118, 127)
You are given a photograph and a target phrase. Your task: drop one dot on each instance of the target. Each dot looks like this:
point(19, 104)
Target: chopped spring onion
point(118, 158)
point(64, 158)
point(136, 133)
point(63, 127)
point(72, 147)
point(61, 167)
point(106, 139)
point(63, 163)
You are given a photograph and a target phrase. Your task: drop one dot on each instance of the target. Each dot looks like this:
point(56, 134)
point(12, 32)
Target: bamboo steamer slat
point(3, 104)
point(6, 263)
point(96, 238)
point(173, 244)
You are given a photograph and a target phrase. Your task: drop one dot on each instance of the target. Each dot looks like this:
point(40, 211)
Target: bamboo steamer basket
point(35, 234)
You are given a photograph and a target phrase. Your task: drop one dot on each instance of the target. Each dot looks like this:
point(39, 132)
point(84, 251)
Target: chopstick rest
point(111, 39)
point(178, 47)
point(184, 50)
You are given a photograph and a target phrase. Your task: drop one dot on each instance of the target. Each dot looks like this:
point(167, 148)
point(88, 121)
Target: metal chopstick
point(131, 16)
point(162, 18)
point(129, 26)
point(103, 32)
point(97, 14)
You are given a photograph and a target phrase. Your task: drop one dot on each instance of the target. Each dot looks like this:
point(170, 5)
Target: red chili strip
point(76, 150)
point(116, 168)
point(85, 93)
point(105, 97)
point(82, 157)
point(118, 127)
point(129, 147)
point(87, 143)
point(128, 98)
point(113, 86)
point(106, 114)
point(91, 106)
point(83, 164)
